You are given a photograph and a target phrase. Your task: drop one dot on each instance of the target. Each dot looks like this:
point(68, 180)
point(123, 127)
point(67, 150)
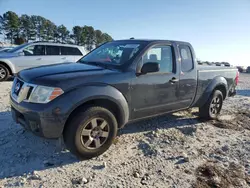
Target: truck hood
point(54, 75)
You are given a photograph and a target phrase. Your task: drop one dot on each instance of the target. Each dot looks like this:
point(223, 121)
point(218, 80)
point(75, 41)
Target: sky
point(219, 30)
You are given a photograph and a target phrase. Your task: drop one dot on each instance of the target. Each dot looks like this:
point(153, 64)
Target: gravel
point(166, 151)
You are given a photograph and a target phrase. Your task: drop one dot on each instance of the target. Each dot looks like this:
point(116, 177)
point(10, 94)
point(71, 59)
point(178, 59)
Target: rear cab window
point(187, 63)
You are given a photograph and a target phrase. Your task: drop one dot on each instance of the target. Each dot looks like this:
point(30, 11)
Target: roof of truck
point(153, 40)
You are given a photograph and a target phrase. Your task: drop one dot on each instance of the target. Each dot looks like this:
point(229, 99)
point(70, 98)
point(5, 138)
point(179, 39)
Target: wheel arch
point(223, 90)
point(109, 98)
point(8, 66)
point(102, 102)
point(218, 83)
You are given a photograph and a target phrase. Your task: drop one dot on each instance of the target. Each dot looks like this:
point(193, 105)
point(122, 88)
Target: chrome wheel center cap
point(96, 133)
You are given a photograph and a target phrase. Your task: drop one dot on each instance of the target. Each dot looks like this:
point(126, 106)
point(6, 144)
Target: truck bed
point(208, 74)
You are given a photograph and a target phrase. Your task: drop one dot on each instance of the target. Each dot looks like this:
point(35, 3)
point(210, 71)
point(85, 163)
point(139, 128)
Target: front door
point(33, 57)
point(156, 93)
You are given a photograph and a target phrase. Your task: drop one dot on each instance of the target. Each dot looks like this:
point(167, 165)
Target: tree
point(27, 28)
point(19, 40)
point(39, 23)
point(10, 25)
point(102, 37)
point(49, 31)
point(77, 32)
point(99, 37)
point(2, 23)
point(63, 33)
point(107, 37)
point(88, 37)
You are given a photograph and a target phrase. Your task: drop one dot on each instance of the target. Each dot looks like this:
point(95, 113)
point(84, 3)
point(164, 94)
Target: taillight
point(237, 78)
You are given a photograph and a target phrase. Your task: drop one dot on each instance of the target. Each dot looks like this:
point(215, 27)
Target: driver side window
point(34, 50)
point(161, 54)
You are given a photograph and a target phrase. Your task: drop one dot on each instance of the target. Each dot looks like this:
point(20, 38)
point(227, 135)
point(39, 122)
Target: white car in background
point(36, 54)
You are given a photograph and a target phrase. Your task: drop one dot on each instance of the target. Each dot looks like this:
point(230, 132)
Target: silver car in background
point(37, 54)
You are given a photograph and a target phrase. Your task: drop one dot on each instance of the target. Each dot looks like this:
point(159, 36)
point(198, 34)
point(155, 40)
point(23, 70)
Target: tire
point(87, 130)
point(4, 73)
point(211, 109)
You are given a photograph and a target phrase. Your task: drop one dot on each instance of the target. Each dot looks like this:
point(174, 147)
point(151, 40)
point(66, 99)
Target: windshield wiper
point(105, 66)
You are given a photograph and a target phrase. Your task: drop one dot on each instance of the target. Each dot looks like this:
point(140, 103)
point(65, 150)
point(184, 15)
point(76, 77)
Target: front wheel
point(90, 132)
point(4, 73)
point(211, 109)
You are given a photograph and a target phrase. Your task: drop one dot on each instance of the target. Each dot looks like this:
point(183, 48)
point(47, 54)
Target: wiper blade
point(105, 66)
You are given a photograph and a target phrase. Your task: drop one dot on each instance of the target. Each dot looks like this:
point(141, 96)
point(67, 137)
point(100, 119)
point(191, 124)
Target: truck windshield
point(113, 53)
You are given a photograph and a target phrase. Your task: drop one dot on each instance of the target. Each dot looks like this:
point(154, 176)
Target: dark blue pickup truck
point(120, 81)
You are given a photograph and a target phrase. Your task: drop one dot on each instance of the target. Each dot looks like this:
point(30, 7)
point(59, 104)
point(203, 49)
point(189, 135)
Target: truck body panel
point(136, 95)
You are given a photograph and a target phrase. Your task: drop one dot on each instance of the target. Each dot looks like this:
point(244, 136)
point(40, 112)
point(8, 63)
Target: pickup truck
point(118, 82)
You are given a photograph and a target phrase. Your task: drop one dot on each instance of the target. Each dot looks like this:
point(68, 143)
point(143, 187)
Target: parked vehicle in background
point(248, 69)
point(37, 54)
point(5, 49)
point(240, 69)
point(118, 82)
point(217, 63)
point(226, 64)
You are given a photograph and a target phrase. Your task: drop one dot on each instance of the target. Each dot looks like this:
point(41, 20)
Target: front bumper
point(42, 119)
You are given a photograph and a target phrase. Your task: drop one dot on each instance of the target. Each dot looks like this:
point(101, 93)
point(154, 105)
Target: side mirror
point(150, 67)
point(21, 53)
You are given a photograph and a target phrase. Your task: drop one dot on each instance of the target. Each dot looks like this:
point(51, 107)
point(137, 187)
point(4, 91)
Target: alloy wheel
point(216, 105)
point(94, 133)
point(3, 73)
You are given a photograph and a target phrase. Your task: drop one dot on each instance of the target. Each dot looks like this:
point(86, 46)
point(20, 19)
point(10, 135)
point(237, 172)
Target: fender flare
point(79, 96)
point(218, 81)
point(9, 64)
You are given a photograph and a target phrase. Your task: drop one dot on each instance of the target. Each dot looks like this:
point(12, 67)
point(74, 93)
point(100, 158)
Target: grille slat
point(21, 90)
point(18, 86)
point(29, 92)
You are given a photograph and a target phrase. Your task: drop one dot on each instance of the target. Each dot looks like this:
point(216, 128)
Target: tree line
point(37, 28)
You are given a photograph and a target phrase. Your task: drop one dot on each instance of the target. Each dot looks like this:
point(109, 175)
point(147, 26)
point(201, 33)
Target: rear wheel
point(91, 132)
point(211, 109)
point(4, 73)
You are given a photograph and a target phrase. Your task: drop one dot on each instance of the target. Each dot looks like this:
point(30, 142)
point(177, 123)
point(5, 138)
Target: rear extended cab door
point(188, 74)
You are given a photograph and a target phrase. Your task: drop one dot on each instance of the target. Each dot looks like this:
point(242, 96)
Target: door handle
point(39, 59)
point(63, 57)
point(174, 80)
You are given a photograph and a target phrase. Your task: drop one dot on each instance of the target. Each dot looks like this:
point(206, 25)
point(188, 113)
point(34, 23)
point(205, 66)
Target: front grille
point(29, 92)
point(18, 86)
point(21, 90)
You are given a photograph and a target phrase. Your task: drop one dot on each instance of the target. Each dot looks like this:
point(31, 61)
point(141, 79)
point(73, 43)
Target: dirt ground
point(176, 150)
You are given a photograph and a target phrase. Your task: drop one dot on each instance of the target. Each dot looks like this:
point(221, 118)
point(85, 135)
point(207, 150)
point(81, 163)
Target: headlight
point(43, 94)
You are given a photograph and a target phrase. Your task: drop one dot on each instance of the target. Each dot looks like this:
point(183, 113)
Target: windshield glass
point(17, 48)
point(113, 53)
